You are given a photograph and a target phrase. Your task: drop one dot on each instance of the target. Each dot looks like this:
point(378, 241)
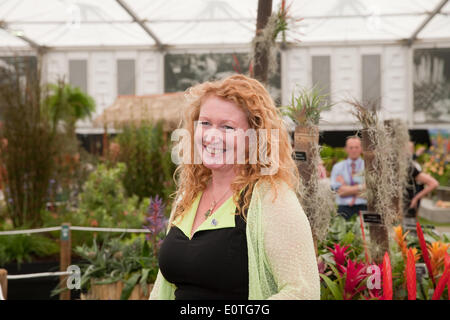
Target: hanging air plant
point(306, 107)
point(316, 197)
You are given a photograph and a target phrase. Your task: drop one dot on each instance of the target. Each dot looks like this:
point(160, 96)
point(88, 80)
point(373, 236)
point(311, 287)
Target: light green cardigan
point(281, 257)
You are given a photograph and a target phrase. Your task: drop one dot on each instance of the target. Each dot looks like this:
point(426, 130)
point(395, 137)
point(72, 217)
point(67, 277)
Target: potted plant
point(117, 269)
point(124, 269)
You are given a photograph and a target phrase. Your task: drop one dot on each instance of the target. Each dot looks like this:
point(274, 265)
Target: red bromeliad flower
point(387, 278)
point(354, 276)
point(441, 284)
point(340, 254)
point(411, 275)
point(445, 279)
point(426, 256)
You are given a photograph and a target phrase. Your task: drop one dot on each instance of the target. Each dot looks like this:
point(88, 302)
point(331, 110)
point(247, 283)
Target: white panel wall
point(149, 73)
point(395, 84)
point(345, 84)
point(102, 81)
point(346, 80)
point(57, 66)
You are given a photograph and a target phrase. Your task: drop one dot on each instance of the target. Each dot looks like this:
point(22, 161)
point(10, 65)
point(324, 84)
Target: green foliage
point(104, 203)
point(306, 107)
point(24, 247)
point(345, 232)
point(331, 156)
point(149, 168)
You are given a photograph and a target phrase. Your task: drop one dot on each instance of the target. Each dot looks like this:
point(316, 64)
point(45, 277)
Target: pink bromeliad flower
point(340, 254)
point(355, 274)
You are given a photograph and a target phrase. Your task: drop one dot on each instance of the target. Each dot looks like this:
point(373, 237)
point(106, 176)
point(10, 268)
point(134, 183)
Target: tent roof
point(97, 23)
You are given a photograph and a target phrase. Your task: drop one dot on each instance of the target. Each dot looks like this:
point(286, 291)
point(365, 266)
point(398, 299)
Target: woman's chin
point(215, 163)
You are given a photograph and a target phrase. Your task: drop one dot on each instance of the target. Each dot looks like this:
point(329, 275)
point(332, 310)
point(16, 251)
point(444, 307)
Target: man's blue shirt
point(344, 169)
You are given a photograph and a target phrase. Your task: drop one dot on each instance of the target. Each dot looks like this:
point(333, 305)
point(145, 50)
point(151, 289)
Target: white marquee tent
point(103, 31)
point(76, 23)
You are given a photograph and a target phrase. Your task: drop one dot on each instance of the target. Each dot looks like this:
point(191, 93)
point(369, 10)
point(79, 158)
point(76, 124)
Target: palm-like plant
point(67, 104)
point(306, 107)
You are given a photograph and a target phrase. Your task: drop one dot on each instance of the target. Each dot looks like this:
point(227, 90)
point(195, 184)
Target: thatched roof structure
point(131, 109)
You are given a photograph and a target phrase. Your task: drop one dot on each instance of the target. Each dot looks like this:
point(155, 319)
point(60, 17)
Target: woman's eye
point(204, 123)
point(228, 128)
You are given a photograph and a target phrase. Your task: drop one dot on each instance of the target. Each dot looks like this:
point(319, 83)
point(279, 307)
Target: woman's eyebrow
point(222, 121)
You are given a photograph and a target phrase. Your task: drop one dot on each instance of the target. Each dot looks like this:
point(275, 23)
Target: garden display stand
point(378, 231)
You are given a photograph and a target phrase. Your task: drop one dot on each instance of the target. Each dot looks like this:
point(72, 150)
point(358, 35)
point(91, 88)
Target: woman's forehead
point(215, 108)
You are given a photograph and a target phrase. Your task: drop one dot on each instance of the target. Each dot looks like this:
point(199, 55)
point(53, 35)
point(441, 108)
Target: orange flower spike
point(411, 275)
point(387, 278)
point(438, 251)
point(400, 239)
point(423, 246)
point(416, 254)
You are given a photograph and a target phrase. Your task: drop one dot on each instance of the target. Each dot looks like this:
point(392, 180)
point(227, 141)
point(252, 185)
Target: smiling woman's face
point(217, 132)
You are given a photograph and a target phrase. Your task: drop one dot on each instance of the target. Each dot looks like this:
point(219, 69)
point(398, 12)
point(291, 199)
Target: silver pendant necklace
point(213, 204)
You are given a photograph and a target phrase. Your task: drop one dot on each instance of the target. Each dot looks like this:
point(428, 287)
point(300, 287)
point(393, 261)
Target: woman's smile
point(214, 149)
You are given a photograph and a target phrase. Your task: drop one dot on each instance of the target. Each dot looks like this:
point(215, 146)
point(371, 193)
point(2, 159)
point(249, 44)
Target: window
point(321, 75)
point(125, 77)
point(371, 79)
point(78, 74)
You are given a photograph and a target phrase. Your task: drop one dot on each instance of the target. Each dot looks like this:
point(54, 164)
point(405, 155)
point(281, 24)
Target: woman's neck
point(222, 179)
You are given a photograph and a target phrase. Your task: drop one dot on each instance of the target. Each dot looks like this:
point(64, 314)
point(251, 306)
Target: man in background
point(347, 179)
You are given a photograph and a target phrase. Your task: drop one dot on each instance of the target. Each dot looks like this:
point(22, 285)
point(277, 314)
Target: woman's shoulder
point(278, 191)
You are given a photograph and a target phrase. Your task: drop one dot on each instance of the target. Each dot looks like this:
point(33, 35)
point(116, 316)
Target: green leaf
point(348, 238)
point(129, 286)
point(333, 287)
point(146, 249)
point(338, 277)
point(143, 281)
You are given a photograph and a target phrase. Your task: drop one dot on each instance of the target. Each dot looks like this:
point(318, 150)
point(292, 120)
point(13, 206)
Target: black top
point(211, 265)
point(412, 187)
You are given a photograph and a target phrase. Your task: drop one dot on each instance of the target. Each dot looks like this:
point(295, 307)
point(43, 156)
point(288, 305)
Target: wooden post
point(4, 282)
point(378, 232)
point(397, 199)
point(65, 258)
point(260, 60)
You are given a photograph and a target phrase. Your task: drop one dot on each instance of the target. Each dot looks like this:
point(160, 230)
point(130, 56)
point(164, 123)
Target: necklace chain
point(214, 203)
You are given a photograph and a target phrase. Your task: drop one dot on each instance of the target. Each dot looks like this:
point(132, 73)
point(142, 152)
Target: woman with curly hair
point(236, 230)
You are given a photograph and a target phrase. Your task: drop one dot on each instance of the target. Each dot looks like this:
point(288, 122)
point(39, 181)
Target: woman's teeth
point(214, 150)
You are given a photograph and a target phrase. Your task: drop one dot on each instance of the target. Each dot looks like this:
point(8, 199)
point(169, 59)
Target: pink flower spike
point(340, 254)
point(354, 275)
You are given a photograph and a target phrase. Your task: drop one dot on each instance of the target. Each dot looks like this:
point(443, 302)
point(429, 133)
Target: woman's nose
point(212, 135)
